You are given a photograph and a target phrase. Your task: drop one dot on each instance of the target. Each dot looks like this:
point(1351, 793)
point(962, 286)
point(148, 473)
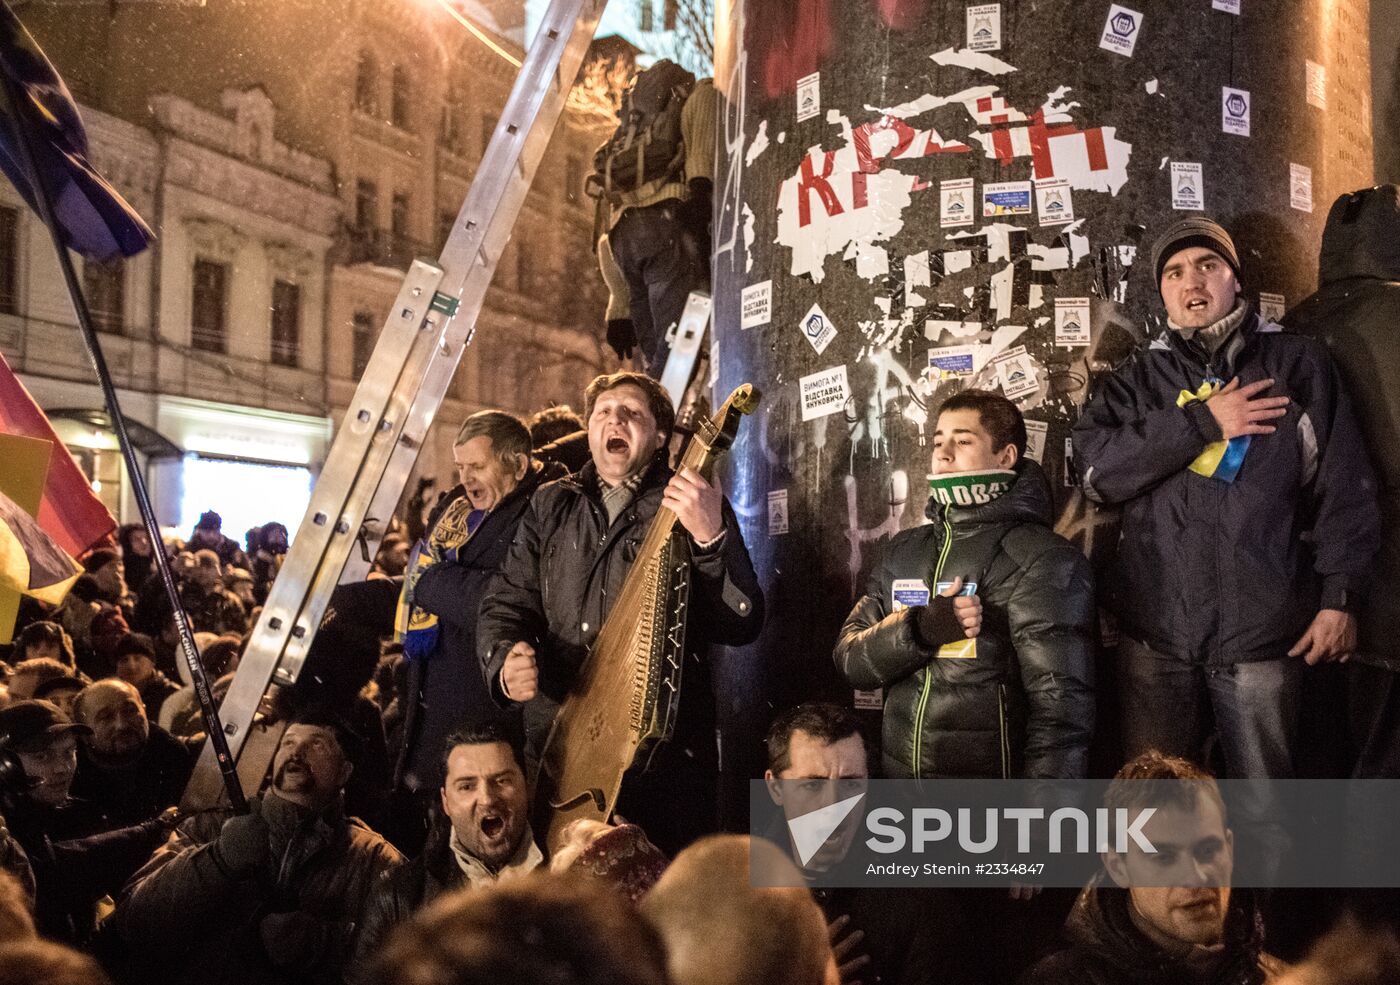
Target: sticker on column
point(1317, 85)
point(1006, 198)
point(1072, 322)
point(1053, 202)
point(824, 393)
point(756, 305)
point(1271, 306)
point(950, 362)
point(1187, 186)
point(955, 203)
point(1036, 433)
point(1016, 373)
point(777, 512)
point(869, 700)
point(1300, 187)
point(809, 96)
point(1121, 30)
point(1229, 6)
point(1234, 111)
point(1071, 469)
point(984, 27)
point(817, 329)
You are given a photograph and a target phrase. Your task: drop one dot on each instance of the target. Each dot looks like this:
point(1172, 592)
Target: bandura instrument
point(624, 703)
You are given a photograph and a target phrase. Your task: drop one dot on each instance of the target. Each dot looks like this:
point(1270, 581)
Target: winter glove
point(937, 623)
point(243, 843)
point(622, 336)
point(293, 939)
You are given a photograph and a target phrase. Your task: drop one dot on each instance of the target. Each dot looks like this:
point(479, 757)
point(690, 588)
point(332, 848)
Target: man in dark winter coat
point(1355, 312)
point(1249, 515)
point(270, 896)
point(465, 546)
point(209, 533)
point(483, 838)
point(998, 683)
point(566, 567)
point(1168, 918)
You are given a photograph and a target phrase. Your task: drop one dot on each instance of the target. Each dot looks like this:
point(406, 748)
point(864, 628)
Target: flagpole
point(44, 205)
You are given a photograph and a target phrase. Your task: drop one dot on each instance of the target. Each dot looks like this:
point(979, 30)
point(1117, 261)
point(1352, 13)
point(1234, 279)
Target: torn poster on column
point(1006, 198)
point(1229, 6)
point(984, 27)
point(809, 96)
point(1234, 111)
point(817, 329)
point(777, 512)
point(824, 393)
point(950, 362)
point(955, 203)
point(1017, 374)
point(1072, 322)
point(1121, 30)
point(1187, 187)
point(1300, 187)
point(1317, 85)
point(756, 305)
point(1036, 433)
point(1053, 202)
point(1271, 306)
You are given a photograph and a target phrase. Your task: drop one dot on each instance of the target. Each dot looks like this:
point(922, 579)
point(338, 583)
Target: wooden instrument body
point(625, 701)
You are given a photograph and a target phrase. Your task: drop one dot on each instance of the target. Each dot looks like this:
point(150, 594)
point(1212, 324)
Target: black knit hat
point(1186, 233)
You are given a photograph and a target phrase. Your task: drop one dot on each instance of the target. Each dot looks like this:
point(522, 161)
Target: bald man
point(129, 768)
point(721, 930)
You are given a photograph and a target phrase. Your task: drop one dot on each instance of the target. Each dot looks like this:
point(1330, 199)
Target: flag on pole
point(30, 562)
point(93, 219)
point(70, 511)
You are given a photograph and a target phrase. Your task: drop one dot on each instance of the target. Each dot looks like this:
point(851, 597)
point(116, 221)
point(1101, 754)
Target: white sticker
point(824, 393)
point(1071, 470)
point(1188, 191)
point(908, 592)
point(1053, 202)
point(869, 700)
point(756, 305)
point(984, 27)
point(1271, 306)
point(1121, 30)
point(1300, 187)
point(809, 96)
point(1036, 433)
point(951, 362)
point(1072, 322)
point(817, 329)
point(777, 512)
point(1317, 85)
point(955, 203)
point(1016, 373)
point(1006, 198)
point(1229, 6)
point(1234, 111)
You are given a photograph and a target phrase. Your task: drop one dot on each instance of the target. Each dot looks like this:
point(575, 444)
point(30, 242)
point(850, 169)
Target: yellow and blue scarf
point(1220, 459)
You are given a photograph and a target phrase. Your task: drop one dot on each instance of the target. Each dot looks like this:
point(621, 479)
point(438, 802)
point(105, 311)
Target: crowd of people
point(396, 839)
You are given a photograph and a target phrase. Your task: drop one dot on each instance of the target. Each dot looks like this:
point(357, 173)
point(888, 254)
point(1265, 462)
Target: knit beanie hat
point(1188, 232)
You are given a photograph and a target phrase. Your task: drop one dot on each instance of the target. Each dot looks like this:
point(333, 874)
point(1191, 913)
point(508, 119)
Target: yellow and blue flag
point(30, 562)
point(1221, 459)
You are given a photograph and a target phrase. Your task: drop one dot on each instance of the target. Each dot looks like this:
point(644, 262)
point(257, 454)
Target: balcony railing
point(384, 248)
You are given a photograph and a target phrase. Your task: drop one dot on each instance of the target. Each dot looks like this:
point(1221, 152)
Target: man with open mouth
point(1250, 518)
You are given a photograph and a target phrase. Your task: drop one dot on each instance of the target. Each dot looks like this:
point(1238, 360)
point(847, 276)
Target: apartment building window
point(209, 306)
point(573, 178)
point(367, 84)
point(104, 286)
point(488, 127)
point(398, 215)
point(400, 94)
point(366, 205)
point(286, 323)
point(671, 14)
point(362, 340)
point(445, 222)
point(9, 261)
point(645, 16)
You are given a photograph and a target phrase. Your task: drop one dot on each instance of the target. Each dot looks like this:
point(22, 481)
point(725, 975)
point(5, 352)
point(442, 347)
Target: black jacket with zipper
point(1024, 705)
point(557, 585)
point(1218, 572)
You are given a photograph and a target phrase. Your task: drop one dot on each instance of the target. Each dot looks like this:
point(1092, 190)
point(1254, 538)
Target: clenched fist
point(520, 676)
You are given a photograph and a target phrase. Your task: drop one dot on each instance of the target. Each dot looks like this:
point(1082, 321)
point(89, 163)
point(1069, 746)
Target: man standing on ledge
point(1249, 515)
point(572, 552)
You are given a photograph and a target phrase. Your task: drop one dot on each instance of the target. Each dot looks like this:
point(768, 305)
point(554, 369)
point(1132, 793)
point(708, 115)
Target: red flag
point(70, 512)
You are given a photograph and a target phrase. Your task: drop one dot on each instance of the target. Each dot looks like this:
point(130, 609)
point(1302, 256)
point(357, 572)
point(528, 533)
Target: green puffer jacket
point(1023, 706)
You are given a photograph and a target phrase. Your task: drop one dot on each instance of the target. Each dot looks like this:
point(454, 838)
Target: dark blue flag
point(93, 219)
